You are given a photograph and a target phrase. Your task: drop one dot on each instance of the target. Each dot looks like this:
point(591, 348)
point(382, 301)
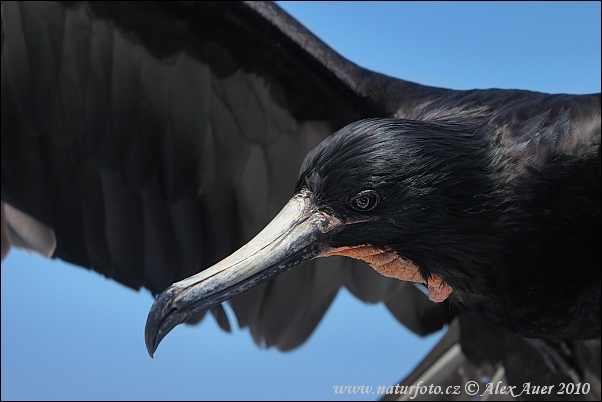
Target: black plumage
point(112, 157)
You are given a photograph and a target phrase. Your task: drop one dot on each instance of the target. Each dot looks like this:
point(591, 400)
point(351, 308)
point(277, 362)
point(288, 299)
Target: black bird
point(501, 213)
point(365, 195)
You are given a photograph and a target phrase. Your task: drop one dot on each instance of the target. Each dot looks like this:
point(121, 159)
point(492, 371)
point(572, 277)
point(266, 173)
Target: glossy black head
point(428, 185)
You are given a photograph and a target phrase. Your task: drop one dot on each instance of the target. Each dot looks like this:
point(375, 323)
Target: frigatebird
point(496, 205)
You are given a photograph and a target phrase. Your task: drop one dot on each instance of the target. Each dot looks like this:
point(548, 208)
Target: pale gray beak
point(295, 235)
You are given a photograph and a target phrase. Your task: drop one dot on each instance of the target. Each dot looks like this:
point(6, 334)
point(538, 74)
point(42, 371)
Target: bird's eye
point(364, 201)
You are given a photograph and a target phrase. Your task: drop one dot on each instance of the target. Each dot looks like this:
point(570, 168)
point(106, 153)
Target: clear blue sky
point(68, 333)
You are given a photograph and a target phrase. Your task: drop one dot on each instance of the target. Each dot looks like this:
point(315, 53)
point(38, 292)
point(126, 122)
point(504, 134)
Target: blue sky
point(78, 335)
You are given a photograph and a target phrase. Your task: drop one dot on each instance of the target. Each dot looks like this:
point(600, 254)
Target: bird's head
point(411, 198)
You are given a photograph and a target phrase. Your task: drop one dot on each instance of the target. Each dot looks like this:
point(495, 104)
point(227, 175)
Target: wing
point(476, 361)
point(159, 138)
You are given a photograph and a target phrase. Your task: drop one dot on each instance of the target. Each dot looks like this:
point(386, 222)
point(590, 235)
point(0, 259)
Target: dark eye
point(364, 201)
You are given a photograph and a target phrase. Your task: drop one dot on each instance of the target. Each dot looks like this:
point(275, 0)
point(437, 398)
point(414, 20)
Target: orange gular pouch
point(390, 264)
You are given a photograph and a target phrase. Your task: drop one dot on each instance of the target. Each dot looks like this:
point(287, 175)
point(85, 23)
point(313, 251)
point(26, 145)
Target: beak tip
point(161, 319)
point(149, 339)
point(150, 333)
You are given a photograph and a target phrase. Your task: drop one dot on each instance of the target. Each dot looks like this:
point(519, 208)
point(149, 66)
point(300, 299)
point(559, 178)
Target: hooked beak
point(295, 235)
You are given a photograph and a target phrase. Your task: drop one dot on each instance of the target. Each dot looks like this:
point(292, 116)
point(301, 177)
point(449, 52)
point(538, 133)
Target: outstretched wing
point(155, 139)
point(476, 361)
